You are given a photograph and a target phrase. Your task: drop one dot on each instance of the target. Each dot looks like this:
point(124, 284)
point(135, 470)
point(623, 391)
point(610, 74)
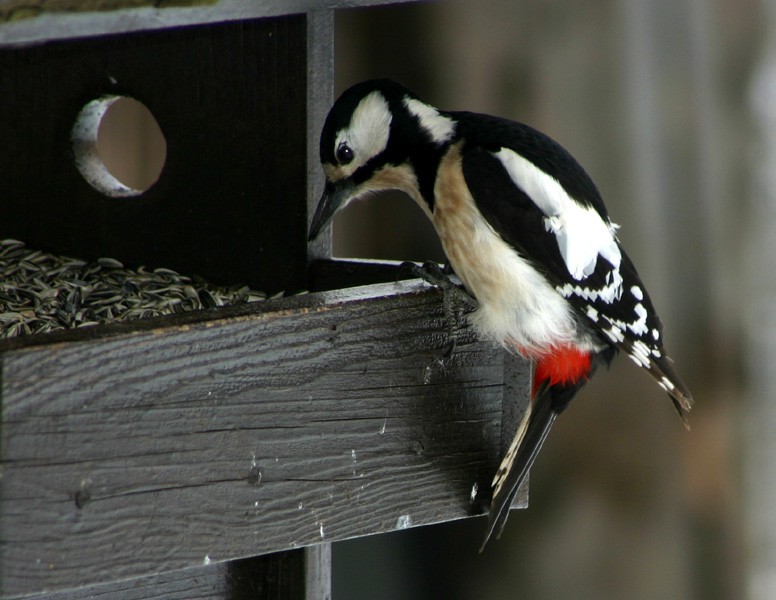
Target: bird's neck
point(425, 164)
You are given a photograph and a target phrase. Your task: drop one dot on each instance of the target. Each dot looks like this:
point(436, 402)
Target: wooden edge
point(318, 301)
point(320, 96)
point(339, 273)
point(31, 22)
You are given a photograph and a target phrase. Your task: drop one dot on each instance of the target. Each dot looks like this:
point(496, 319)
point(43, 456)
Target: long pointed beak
point(335, 196)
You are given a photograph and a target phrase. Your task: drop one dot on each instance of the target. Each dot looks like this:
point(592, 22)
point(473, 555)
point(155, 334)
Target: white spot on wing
point(609, 293)
point(440, 128)
point(639, 326)
point(640, 353)
point(615, 334)
point(637, 293)
point(581, 233)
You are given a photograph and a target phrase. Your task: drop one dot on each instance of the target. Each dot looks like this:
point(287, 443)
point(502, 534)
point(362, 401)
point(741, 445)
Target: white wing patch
point(581, 233)
point(367, 133)
point(608, 293)
point(441, 129)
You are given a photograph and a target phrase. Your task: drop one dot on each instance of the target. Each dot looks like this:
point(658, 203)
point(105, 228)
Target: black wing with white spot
point(541, 202)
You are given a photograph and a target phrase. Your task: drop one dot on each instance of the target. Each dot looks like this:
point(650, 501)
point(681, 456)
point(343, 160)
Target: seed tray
point(42, 292)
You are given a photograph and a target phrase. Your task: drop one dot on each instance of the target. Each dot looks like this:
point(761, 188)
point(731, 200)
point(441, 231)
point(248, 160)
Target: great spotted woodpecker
point(524, 228)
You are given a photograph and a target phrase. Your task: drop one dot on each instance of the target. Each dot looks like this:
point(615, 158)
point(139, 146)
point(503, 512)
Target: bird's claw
point(455, 297)
point(441, 277)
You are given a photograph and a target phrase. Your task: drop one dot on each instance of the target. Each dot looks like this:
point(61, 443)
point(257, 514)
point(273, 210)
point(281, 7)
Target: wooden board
point(35, 21)
point(231, 202)
point(307, 420)
point(279, 576)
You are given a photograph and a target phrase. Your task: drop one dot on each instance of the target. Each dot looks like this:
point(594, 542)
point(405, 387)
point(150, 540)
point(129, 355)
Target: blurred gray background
point(671, 107)
point(654, 98)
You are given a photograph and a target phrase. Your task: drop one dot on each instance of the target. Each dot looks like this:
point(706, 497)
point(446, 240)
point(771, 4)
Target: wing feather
point(607, 293)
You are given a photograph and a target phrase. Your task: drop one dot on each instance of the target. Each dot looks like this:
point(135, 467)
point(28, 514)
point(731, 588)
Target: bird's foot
point(442, 277)
point(454, 301)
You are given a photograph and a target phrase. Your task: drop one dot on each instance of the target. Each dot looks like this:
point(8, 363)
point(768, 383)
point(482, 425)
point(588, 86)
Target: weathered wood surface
point(287, 575)
point(317, 572)
point(29, 21)
point(306, 420)
point(320, 96)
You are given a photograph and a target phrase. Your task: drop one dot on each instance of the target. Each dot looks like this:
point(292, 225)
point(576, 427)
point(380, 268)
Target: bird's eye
point(344, 154)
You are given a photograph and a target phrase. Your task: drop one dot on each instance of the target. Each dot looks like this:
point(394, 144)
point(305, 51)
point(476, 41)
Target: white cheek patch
point(367, 133)
point(441, 129)
point(581, 233)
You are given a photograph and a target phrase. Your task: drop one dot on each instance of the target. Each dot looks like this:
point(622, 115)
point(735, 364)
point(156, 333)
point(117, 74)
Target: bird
point(526, 231)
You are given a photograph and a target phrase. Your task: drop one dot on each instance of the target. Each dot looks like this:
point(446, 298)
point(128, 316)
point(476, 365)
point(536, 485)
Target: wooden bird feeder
point(216, 453)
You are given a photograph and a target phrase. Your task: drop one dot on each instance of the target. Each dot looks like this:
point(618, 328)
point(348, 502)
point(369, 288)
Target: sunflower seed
point(41, 292)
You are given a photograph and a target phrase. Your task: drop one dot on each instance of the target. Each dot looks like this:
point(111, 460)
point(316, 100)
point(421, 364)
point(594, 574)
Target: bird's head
point(377, 136)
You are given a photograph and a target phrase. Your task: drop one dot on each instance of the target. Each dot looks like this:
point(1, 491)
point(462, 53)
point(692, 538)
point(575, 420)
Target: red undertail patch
point(564, 365)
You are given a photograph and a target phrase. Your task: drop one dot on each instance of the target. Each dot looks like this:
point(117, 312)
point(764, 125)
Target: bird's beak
point(335, 196)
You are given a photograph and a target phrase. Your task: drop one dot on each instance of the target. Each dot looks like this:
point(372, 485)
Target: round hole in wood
point(119, 147)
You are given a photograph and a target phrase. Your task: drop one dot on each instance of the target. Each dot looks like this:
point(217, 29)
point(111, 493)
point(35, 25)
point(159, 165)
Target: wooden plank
point(29, 21)
point(320, 96)
point(339, 273)
point(231, 202)
point(213, 582)
point(326, 418)
point(318, 572)
point(280, 576)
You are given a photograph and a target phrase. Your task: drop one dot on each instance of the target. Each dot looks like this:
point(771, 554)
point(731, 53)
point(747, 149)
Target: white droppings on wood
point(403, 522)
point(427, 372)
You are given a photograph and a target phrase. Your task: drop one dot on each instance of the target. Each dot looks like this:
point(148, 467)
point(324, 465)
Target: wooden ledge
point(278, 425)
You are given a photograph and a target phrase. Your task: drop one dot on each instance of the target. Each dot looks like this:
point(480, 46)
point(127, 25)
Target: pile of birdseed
point(42, 292)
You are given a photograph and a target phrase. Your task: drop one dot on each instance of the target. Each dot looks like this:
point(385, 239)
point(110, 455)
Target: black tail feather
point(512, 475)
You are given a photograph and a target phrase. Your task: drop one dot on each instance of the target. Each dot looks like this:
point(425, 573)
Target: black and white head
point(378, 136)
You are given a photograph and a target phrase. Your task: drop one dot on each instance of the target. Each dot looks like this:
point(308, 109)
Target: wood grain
point(278, 576)
point(323, 419)
point(37, 21)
